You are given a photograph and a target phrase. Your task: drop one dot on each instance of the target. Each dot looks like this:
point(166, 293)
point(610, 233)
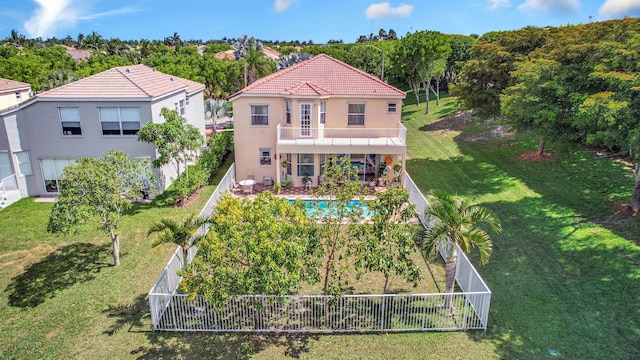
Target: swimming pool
point(318, 208)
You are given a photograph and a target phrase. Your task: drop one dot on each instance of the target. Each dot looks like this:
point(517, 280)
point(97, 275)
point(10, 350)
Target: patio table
point(247, 182)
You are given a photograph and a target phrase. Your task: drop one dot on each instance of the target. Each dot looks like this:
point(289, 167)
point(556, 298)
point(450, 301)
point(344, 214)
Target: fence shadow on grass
point(61, 269)
point(135, 317)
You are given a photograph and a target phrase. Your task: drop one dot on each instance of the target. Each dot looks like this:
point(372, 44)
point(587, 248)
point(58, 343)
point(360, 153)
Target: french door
point(305, 120)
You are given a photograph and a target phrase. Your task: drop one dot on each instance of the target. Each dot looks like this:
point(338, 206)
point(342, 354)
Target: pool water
point(319, 208)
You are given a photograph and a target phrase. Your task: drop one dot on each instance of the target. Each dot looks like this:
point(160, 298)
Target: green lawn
point(565, 273)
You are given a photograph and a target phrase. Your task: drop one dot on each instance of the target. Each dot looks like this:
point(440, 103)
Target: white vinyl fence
point(321, 313)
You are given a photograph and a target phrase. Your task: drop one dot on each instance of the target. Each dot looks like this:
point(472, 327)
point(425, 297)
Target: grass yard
point(565, 273)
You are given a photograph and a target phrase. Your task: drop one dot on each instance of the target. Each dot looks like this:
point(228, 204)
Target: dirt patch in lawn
point(534, 156)
point(193, 198)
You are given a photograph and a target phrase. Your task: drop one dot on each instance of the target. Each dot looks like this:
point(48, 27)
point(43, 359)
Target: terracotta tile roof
point(270, 52)
point(124, 82)
point(321, 75)
point(267, 51)
point(77, 54)
point(11, 85)
point(225, 55)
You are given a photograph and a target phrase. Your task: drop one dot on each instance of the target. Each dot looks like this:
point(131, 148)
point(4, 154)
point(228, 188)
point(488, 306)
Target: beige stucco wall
point(8, 98)
point(250, 139)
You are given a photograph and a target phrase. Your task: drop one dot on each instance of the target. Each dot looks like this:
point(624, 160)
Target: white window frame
point(306, 119)
point(75, 118)
point(302, 162)
point(182, 107)
point(56, 169)
point(263, 116)
point(24, 163)
point(120, 121)
point(264, 156)
point(287, 111)
point(186, 101)
point(323, 112)
point(392, 107)
point(354, 117)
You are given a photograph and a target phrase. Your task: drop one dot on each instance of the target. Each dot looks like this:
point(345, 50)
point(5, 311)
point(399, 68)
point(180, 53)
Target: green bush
point(185, 184)
point(218, 146)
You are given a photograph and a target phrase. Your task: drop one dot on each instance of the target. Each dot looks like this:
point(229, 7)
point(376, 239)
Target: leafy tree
point(184, 234)
point(176, 140)
point(99, 190)
point(455, 222)
point(537, 100)
point(417, 56)
point(338, 189)
point(386, 244)
point(265, 246)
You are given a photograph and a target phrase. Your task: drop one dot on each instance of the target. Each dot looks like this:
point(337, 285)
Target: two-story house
point(290, 123)
point(88, 117)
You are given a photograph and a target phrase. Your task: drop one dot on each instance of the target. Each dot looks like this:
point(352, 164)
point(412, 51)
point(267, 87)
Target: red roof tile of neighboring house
point(271, 53)
point(76, 54)
point(267, 51)
point(321, 75)
point(124, 82)
point(225, 54)
point(11, 85)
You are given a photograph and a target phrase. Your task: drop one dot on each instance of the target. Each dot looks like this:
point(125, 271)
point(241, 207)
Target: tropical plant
point(265, 246)
point(454, 221)
point(256, 64)
point(184, 234)
point(292, 59)
point(338, 190)
point(387, 242)
point(58, 78)
point(99, 190)
point(176, 140)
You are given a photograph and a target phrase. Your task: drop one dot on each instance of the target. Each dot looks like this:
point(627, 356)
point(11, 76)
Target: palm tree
point(256, 63)
point(454, 222)
point(183, 234)
point(58, 78)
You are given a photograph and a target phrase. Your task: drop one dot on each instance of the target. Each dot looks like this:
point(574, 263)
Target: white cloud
point(495, 4)
point(557, 6)
point(384, 10)
point(282, 5)
point(52, 15)
point(620, 8)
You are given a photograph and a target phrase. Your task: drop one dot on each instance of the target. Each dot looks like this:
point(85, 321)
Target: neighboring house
point(270, 53)
point(12, 93)
point(76, 54)
point(88, 117)
point(313, 111)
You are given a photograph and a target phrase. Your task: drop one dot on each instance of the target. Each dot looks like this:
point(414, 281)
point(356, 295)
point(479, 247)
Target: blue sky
point(304, 20)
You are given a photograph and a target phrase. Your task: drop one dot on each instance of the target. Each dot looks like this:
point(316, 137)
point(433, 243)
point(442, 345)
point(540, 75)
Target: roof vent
point(128, 70)
point(171, 78)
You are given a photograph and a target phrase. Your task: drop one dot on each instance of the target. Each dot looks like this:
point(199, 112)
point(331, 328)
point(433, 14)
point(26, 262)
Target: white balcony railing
point(7, 184)
point(342, 136)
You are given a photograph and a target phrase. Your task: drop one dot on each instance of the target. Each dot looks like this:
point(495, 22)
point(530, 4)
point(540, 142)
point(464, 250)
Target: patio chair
point(267, 181)
point(247, 189)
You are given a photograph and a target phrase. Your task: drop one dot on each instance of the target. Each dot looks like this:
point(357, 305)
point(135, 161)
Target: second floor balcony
point(342, 136)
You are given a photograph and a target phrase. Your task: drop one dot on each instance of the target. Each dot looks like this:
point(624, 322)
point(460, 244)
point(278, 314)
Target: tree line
point(576, 83)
